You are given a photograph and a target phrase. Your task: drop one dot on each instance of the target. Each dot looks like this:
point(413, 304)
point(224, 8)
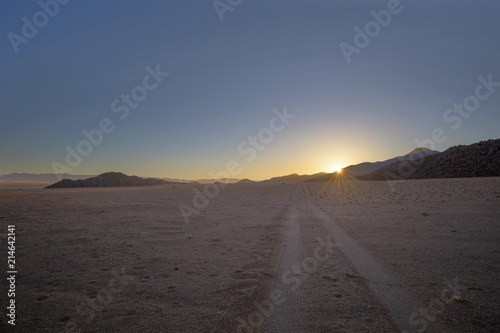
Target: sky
point(182, 89)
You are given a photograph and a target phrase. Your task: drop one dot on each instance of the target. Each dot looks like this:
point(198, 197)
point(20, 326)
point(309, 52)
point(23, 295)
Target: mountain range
point(481, 159)
point(51, 178)
point(39, 178)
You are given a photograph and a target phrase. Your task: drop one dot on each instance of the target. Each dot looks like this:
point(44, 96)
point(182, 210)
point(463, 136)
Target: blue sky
point(226, 77)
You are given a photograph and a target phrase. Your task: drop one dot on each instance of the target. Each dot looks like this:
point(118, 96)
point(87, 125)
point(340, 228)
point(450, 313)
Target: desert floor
point(340, 256)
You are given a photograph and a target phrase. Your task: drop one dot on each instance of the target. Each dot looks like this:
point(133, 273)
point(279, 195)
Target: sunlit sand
point(212, 272)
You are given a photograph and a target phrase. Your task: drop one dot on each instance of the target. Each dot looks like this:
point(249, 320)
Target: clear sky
point(227, 76)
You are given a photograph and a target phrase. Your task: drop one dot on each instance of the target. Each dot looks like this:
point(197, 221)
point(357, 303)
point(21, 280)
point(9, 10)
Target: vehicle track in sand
point(384, 286)
point(358, 280)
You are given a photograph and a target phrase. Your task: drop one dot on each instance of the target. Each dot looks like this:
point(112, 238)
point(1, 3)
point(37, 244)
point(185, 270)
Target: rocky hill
point(109, 179)
point(477, 160)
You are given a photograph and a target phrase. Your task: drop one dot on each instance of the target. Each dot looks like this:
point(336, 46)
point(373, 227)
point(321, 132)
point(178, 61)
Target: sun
point(336, 168)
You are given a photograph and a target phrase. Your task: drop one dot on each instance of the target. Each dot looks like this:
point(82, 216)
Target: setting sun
point(336, 168)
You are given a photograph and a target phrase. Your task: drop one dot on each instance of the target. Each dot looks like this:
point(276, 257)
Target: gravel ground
point(123, 259)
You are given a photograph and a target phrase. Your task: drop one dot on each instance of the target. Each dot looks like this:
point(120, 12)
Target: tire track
point(386, 288)
point(332, 296)
point(284, 318)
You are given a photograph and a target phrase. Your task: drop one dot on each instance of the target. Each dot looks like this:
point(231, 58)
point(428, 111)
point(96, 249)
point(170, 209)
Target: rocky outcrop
point(477, 160)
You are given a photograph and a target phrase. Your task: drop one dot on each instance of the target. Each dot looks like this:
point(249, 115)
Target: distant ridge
point(39, 178)
point(52, 177)
point(204, 181)
point(480, 159)
point(109, 179)
point(246, 181)
point(218, 180)
point(369, 167)
point(293, 178)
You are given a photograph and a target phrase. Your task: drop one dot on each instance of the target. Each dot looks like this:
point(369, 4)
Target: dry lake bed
point(341, 256)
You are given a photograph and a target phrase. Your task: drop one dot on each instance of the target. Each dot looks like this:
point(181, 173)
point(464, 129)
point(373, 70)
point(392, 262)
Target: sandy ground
point(428, 234)
point(344, 256)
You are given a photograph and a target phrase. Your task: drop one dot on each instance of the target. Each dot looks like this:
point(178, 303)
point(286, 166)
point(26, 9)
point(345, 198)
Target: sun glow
point(336, 168)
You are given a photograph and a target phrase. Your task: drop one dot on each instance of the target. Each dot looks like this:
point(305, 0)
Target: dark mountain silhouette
point(476, 160)
point(109, 179)
point(246, 181)
point(293, 178)
point(369, 167)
